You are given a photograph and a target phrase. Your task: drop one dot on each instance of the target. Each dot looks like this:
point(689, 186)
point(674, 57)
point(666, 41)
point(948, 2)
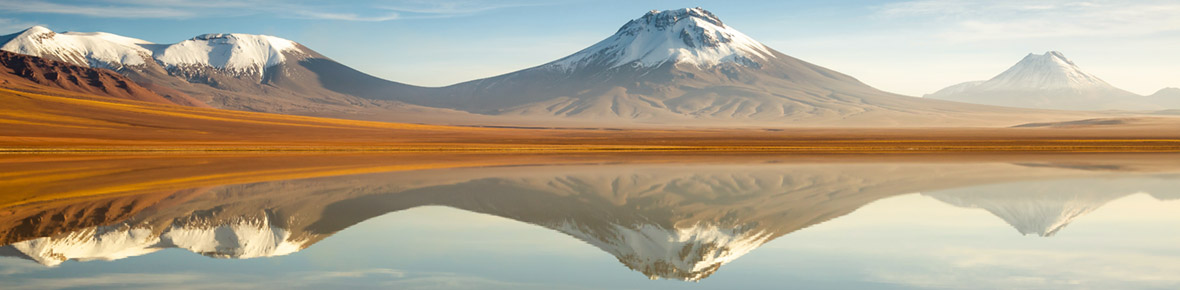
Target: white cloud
point(313, 14)
point(391, 278)
point(38, 6)
point(1036, 269)
point(8, 25)
point(983, 20)
point(106, 280)
point(187, 9)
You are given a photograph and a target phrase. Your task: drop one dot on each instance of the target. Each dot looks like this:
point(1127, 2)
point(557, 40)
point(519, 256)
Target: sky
point(911, 47)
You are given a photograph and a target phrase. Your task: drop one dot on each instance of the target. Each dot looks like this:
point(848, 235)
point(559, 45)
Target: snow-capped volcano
point(1046, 81)
point(1050, 70)
point(689, 35)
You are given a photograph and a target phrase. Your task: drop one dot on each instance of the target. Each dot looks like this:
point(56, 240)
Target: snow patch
point(95, 49)
point(96, 243)
point(243, 53)
point(690, 254)
point(238, 239)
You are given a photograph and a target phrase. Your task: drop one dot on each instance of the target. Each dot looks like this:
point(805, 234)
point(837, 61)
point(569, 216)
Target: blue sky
point(911, 47)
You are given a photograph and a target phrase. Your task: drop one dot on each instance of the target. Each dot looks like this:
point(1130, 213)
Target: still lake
point(598, 222)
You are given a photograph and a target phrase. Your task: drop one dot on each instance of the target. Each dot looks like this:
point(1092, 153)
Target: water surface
point(520, 222)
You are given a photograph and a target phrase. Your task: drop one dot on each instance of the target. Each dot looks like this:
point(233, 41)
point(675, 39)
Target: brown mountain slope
point(19, 68)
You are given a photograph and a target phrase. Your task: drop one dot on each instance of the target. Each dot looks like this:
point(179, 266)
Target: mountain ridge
point(681, 67)
point(258, 73)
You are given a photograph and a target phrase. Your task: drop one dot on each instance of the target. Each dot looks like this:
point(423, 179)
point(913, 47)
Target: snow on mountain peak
point(240, 53)
point(689, 35)
point(233, 51)
point(1050, 70)
point(36, 29)
point(96, 49)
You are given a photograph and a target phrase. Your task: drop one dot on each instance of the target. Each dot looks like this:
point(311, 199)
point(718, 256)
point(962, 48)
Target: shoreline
point(795, 146)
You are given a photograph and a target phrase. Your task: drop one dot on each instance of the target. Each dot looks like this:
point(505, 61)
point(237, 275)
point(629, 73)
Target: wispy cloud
point(371, 10)
point(975, 20)
point(999, 268)
point(325, 15)
point(454, 8)
point(94, 10)
point(359, 278)
point(14, 25)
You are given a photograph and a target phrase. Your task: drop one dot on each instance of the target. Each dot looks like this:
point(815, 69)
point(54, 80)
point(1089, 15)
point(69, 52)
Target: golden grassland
point(46, 121)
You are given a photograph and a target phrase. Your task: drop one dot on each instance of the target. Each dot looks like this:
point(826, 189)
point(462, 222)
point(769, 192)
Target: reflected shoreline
point(672, 217)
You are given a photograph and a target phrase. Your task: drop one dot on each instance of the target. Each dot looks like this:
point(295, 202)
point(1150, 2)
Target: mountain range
point(230, 71)
point(689, 66)
point(681, 67)
point(1051, 81)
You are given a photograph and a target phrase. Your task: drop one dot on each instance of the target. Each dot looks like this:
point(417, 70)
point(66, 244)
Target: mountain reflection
point(1045, 207)
point(673, 221)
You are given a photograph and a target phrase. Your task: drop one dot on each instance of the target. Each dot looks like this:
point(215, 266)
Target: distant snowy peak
point(98, 49)
point(237, 52)
point(1047, 81)
point(684, 36)
point(1167, 93)
point(1050, 70)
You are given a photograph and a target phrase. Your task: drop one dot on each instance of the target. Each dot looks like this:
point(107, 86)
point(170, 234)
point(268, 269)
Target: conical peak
point(668, 18)
point(688, 24)
point(1051, 57)
point(30, 36)
point(1050, 70)
point(35, 30)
